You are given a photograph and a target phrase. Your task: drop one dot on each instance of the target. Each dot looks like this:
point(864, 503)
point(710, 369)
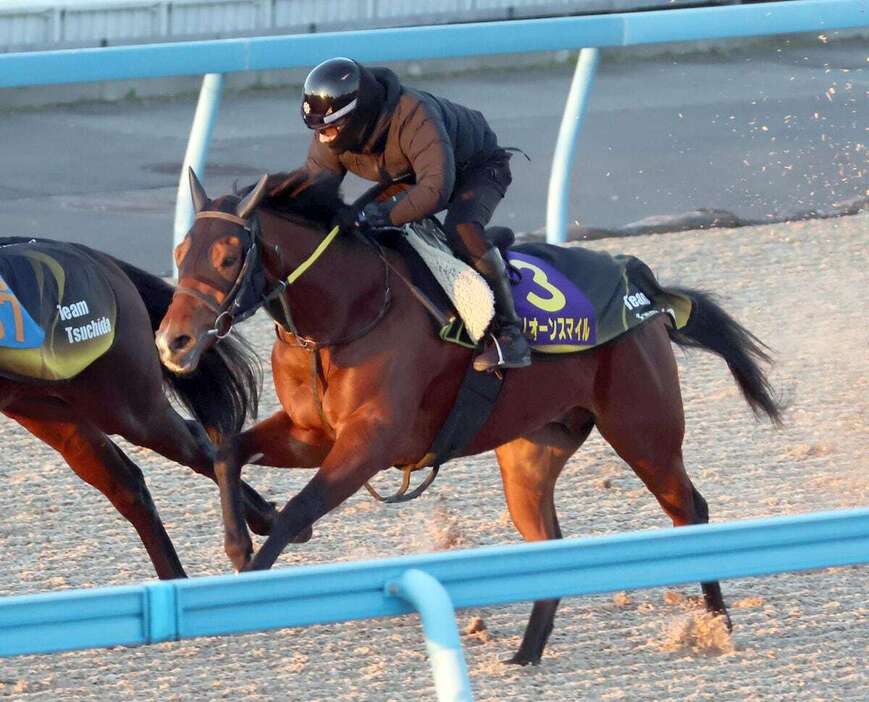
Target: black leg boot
point(508, 347)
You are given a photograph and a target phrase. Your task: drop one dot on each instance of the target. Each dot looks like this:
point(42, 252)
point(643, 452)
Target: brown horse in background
point(364, 383)
point(124, 392)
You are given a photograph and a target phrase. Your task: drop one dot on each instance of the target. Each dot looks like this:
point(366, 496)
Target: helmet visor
point(318, 112)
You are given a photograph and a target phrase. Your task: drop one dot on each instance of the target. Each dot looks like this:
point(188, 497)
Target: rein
point(308, 262)
point(309, 343)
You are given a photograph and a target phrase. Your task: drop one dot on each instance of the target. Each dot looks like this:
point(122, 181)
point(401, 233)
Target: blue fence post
point(197, 152)
point(445, 653)
point(557, 205)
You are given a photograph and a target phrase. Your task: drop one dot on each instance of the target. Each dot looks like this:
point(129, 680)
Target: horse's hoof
point(304, 536)
point(261, 523)
point(521, 660)
point(239, 558)
point(260, 527)
point(243, 566)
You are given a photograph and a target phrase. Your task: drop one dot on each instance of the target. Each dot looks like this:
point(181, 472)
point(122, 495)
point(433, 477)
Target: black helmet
point(331, 93)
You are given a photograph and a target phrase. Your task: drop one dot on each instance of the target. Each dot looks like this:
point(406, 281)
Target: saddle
point(57, 311)
point(569, 299)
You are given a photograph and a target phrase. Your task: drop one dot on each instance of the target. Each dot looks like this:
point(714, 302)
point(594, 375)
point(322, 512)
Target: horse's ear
point(197, 192)
point(253, 198)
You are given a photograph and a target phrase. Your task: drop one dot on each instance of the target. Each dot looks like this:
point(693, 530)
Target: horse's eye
point(229, 261)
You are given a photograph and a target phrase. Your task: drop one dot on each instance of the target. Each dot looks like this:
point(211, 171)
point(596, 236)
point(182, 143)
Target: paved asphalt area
point(764, 132)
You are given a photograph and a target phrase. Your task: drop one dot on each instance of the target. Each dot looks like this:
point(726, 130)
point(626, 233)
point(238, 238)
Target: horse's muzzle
point(178, 352)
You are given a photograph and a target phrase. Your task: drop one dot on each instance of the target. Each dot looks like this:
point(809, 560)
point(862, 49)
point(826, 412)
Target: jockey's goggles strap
point(213, 214)
point(308, 262)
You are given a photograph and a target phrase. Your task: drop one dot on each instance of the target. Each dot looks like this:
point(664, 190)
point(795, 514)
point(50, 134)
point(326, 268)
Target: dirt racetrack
point(801, 287)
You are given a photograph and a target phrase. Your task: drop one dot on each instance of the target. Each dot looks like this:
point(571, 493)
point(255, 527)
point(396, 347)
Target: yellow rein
point(308, 262)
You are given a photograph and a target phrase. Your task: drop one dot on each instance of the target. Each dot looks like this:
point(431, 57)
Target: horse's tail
point(710, 328)
point(224, 390)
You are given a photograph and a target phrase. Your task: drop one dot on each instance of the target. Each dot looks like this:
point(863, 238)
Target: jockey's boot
point(508, 347)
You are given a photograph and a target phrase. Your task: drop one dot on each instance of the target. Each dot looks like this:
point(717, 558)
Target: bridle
point(235, 307)
point(248, 292)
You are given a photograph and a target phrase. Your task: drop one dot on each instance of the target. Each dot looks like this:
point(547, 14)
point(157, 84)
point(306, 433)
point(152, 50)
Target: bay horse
point(364, 384)
point(126, 392)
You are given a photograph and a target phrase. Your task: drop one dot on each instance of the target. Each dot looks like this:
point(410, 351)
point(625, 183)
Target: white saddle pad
point(466, 288)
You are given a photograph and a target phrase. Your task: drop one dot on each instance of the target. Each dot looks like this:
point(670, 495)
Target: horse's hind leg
point(530, 466)
point(712, 596)
point(99, 462)
point(639, 412)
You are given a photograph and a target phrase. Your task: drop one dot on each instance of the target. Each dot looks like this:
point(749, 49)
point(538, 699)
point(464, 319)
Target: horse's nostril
point(180, 342)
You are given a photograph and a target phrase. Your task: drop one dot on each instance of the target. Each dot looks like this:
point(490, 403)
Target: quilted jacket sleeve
point(424, 141)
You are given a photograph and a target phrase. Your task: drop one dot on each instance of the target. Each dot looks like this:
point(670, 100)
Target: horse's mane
point(294, 194)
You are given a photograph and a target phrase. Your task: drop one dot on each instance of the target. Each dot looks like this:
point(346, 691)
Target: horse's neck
point(344, 283)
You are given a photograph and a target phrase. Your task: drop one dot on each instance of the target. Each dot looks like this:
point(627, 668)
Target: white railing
point(43, 24)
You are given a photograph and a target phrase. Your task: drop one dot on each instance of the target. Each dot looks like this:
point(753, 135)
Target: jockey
point(367, 123)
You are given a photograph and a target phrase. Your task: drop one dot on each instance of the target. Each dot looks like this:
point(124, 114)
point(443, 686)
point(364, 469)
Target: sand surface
point(800, 287)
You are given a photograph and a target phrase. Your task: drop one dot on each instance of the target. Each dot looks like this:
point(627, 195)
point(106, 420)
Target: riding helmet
point(331, 93)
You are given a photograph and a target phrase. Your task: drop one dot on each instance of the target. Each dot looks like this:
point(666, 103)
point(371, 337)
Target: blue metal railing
point(429, 42)
point(435, 42)
point(435, 583)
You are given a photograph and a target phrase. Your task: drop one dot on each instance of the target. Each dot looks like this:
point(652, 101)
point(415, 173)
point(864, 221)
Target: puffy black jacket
point(409, 131)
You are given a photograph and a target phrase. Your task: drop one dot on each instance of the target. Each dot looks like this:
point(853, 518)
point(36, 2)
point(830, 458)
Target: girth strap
point(477, 396)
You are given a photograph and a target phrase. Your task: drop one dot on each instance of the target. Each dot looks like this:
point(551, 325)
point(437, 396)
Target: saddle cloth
point(569, 299)
point(57, 311)
point(573, 299)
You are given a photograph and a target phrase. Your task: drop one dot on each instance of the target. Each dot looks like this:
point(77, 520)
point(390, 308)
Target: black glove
point(346, 218)
point(376, 215)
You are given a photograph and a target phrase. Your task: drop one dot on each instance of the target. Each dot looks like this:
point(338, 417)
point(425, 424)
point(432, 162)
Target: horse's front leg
point(259, 512)
point(275, 441)
point(360, 451)
point(236, 538)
